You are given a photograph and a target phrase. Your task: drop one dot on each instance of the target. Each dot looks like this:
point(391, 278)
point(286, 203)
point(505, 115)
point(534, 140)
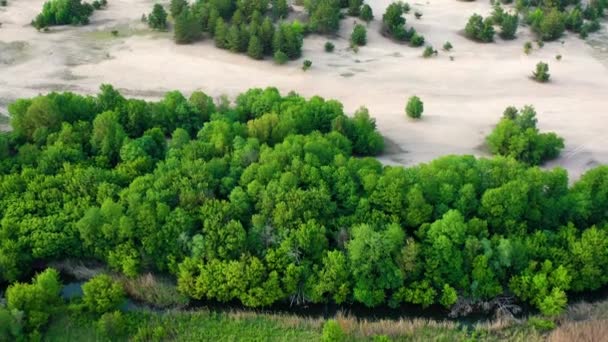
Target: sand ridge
point(463, 98)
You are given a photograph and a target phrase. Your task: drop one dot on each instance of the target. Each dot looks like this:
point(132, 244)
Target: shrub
point(558, 57)
point(447, 46)
point(418, 15)
point(101, 294)
point(508, 26)
point(527, 47)
point(550, 26)
point(428, 52)
point(3, 3)
point(417, 40)
point(280, 57)
point(329, 47)
point(157, 20)
point(112, 325)
point(359, 35)
point(332, 332)
point(541, 74)
point(115, 33)
point(306, 65)
point(366, 14)
point(414, 107)
point(516, 136)
point(354, 7)
point(479, 29)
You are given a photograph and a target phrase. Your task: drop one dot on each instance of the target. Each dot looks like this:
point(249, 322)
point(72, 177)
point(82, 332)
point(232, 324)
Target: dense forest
point(272, 199)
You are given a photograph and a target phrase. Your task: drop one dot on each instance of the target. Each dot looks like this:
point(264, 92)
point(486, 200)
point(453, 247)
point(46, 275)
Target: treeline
point(548, 19)
point(66, 12)
point(258, 28)
point(269, 199)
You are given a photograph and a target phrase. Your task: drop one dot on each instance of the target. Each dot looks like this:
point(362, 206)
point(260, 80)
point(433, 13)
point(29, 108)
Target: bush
point(479, 29)
point(414, 107)
point(101, 294)
point(558, 57)
point(508, 26)
point(447, 46)
point(157, 20)
point(63, 12)
point(549, 26)
point(329, 47)
point(516, 136)
point(366, 14)
point(354, 7)
point(541, 74)
point(417, 40)
point(418, 15)
point(359, 35)
point(306, 65)
point(112, 325)
point(428, 52)
point(280, 57)
point(332, 332)
point(527, 47)
point(3, 3)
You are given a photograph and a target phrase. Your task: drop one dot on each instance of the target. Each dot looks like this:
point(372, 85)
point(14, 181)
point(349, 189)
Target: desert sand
point(464, 98)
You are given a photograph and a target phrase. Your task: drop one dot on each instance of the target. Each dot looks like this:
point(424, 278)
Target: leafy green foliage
point(516, 136)
point(366, 13)
point(479, 29)
point(332, 332)
point(541, 74)
point(329, 47)
point(187, 26)
point(37, 301)
point(63, 12)
point(101, 294)
point(157, 19)
point(414, 107)
point(272, 199)
point(359, 35)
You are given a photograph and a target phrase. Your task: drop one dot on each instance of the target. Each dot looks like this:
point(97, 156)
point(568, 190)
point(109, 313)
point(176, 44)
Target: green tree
point(479, 29)
point(176, 7)
point(541, 74)
point(158, 18)
point(508, 26)
point(187, 27)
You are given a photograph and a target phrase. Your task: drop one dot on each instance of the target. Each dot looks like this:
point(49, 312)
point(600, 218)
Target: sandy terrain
point(463, 98)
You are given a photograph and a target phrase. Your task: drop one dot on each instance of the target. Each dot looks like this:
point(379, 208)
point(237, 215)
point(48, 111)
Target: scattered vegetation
point(414, 107)
point(541, 74)
point(393, 25)
point(329, 47)
point(64, 12)
point(366, 14)
point(447, 46)
point(516, 136)
point(527, 47)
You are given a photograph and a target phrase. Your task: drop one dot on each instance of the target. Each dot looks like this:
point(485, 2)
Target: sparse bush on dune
point(479, 29)
point(541, 74)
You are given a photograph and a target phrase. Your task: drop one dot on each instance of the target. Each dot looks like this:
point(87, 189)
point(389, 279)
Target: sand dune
point(463, 98)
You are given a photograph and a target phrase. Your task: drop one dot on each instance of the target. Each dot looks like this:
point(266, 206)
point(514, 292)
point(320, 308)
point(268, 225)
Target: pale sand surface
point(463, 98)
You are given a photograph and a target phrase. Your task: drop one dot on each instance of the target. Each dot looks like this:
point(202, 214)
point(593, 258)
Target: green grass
point(185, 326)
